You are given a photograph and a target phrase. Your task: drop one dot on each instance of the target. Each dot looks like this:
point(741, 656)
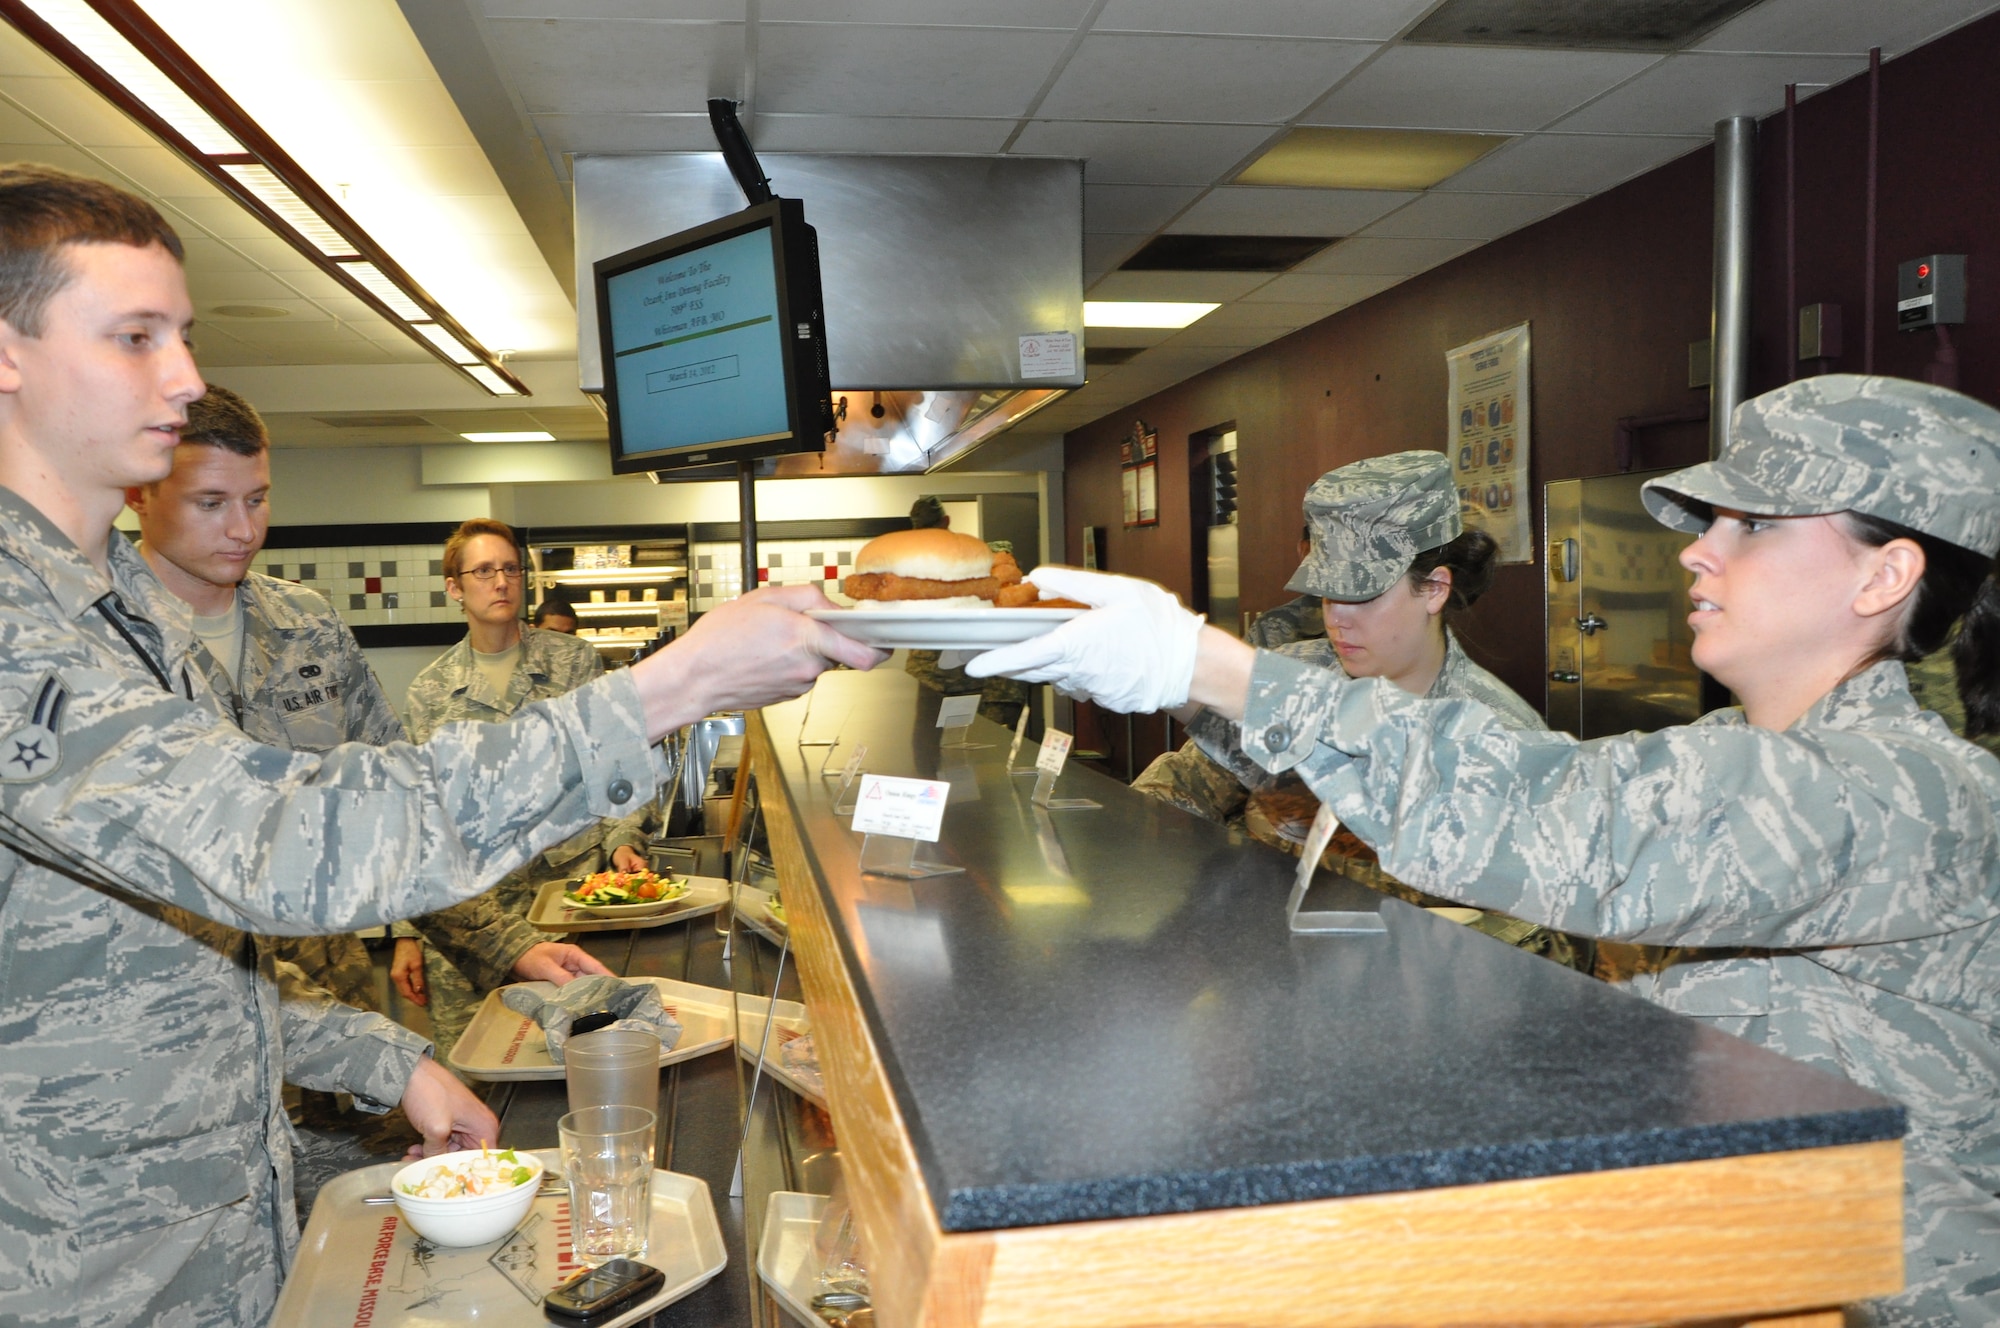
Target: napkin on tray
point(636, 1006)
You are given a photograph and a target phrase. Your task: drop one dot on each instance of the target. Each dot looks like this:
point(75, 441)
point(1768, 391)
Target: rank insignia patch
point(34, 750)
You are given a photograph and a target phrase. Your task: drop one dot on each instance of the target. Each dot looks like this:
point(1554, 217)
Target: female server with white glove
point(1829, 853)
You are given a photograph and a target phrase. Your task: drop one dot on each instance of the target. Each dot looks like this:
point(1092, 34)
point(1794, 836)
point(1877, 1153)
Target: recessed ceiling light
point(248, 311)
point(1142, 313)
point(454, 349)
point(492, 381)
point(1311, 157)
point(519, 436)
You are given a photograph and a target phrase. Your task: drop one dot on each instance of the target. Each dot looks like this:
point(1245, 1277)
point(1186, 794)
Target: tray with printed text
point(361, 1264)
point(504, 1044)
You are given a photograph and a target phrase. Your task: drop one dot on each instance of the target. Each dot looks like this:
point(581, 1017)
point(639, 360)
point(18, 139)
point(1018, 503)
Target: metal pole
point(1729, 330)
point(1874, 180)
point(1791, 232)
point(746, 513)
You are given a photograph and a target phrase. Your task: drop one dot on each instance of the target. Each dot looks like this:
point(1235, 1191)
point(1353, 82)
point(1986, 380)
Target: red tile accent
point(763, 575)
point(373, 585)
point(832, 573)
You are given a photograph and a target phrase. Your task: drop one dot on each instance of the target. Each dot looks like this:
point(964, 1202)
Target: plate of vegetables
point(616, 894)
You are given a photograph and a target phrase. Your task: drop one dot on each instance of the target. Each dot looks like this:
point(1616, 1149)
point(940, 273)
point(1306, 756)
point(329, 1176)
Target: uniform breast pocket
point(312, 720)
point(1733, 994)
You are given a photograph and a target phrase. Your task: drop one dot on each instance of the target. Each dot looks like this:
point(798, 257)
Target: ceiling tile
point(298, 313)
point(696, 11)
point(1064, 14)
point(209, 288)
point(1102, 252)
point(593, 66)
point(1262, 210)
point(1214, 287)
point(84, 117)
point(1687, 94)
point(18, 129)
point(1132, 207)
point(1469, 216)
point(157, 171)
point(1225, 80)
point(1316, 287)
point(222, 217)
point(1842, 26)
point(461, 169)
point(582, 134)
point(205, 255)
point(1265, 316)
point(878, 134)
point(1363, 20)
point(1118, 338)
point(1366, 256)
point(1568, 163)
point(1143, 153)
point(815, 70)
point(1204, 333)
point(21, 58)
point(1492, 89)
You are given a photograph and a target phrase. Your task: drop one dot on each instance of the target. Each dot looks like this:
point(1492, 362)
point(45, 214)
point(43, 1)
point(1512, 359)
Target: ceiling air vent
point(1601, 25)
point(358, 421)
point(1226, 253)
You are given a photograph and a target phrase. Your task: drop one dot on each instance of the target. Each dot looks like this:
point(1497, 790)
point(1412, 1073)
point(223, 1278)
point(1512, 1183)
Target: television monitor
point(715, 343)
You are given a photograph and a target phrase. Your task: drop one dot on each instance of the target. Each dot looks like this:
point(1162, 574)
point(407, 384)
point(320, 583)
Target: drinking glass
point(608, 1159)
point(614, 1067)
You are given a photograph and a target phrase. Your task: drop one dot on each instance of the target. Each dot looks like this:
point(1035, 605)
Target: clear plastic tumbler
point(608, 1159)
point(616, 1067)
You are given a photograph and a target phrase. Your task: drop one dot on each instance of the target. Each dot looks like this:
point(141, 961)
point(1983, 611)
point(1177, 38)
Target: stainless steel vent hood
point(934, 270)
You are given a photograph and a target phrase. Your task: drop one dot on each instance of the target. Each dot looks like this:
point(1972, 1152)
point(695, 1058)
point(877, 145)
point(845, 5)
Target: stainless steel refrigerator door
point(1223, 580)
point(1634, 638)
point(1562, 509)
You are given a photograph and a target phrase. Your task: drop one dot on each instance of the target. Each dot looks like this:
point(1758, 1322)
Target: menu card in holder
point(1327, 922)
point(1048, 768)
point(955, 716)
point(894, 816)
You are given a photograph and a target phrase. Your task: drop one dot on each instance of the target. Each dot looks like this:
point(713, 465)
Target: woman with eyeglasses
point(502, 665)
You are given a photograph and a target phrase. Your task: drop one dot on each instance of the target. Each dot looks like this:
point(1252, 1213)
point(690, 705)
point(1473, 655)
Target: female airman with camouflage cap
point(1389, 563)
point(1830, 852)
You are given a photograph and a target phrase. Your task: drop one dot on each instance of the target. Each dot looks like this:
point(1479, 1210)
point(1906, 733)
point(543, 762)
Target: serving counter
point(1094, 1079)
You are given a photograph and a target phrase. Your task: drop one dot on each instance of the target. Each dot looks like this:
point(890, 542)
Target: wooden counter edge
point(1761, 1235)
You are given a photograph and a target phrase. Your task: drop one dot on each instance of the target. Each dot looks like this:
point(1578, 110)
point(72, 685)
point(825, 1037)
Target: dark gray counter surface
point(1105, 1015)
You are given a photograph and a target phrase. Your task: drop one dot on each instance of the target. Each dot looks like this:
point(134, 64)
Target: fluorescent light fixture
point(1142, 313)
point(492, 381)
point(1310, 157)
point(520, 436)
point(386, 290)
point(454, 349)
point(140, 76)
point(278, 196)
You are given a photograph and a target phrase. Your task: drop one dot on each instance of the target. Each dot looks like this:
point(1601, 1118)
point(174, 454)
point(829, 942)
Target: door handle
point(1565, 675)
point(1591, 624)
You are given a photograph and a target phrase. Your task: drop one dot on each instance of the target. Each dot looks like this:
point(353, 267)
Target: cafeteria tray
point(361, 1263)
point(784, 1255)
point(791, 1025)
point(706, 894)
point(753, 906)
point(504, 1044)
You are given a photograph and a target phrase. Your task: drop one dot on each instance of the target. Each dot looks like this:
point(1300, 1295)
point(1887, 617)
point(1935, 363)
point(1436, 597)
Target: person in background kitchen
point(291, 674)
point(1297, 619)
point(1389, 564)
point(143, 1151)
point(1000, 699)
point(500, 666)
point(555, 614)
point(1827, 855)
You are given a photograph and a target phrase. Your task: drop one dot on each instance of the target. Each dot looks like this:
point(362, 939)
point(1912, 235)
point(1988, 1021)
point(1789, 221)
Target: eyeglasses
point(483, 575)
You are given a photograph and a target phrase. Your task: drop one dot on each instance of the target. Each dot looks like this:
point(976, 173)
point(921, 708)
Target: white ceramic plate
point(360, 1264)
point(640, 910)
point(942, 629)
point(549, 912)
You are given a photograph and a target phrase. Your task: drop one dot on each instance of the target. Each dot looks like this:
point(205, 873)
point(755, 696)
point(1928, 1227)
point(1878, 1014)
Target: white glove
point(1133, 652)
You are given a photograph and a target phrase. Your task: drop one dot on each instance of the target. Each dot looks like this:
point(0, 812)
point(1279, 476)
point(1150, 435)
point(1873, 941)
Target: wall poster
point(1140, 476)
point(1488, 435)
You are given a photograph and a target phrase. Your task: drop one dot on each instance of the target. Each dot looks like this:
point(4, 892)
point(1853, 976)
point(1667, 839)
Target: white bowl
point(472, 1220)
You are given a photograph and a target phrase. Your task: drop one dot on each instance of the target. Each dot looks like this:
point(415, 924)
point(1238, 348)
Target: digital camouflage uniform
point(1369, 521)
point(1835, 887)
point(472, 949)
point(143, 1154)
point(1299, 619)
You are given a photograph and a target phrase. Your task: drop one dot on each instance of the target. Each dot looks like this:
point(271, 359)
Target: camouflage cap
point(1370, 519)
point(1921, 456)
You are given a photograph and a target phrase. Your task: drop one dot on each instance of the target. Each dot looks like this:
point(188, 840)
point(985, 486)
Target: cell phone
point(600, 1293)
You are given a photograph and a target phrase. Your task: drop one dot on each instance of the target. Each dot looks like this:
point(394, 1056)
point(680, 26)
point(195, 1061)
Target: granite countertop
point(1105, 1015)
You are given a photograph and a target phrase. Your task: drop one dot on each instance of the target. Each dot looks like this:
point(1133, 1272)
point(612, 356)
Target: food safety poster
point(1487, 438)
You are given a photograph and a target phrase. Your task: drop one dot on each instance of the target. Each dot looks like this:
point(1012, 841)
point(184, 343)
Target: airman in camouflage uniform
point(144, 1155)
point(1836, 883)
point(480, 944)
point(1369, 521)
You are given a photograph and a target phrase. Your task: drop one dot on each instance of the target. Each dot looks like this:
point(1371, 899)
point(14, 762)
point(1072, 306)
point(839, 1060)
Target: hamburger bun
point(933, 563)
